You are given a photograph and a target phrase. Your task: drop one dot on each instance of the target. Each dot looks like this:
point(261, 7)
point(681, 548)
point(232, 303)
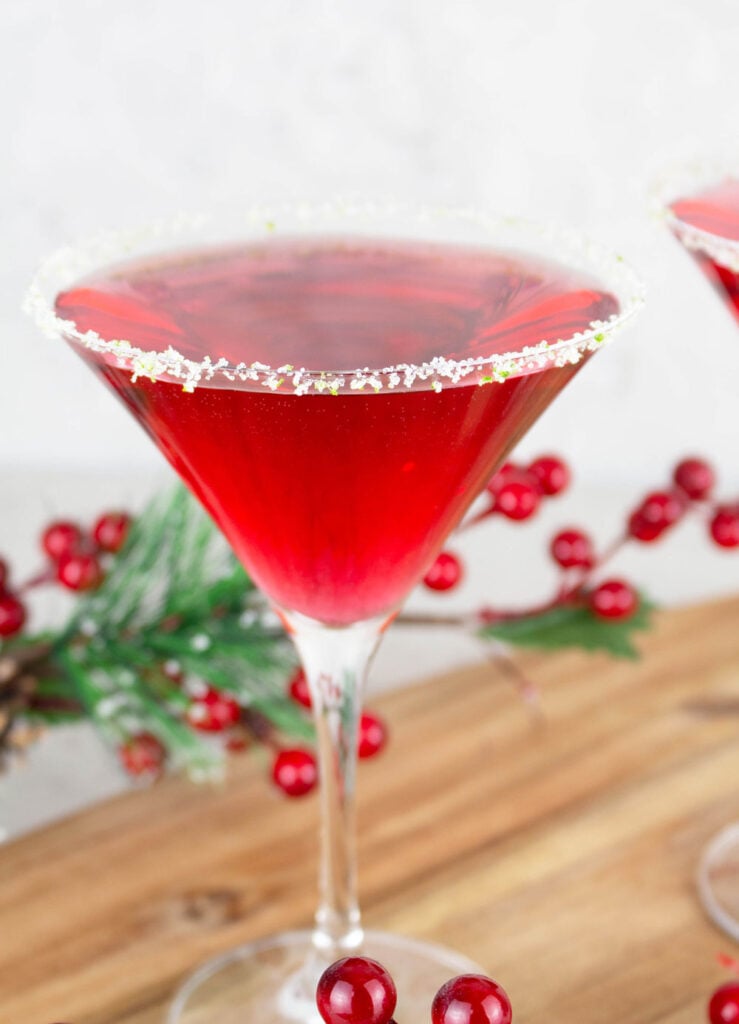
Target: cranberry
point(572, 549)
point(297, 687)
point(725, 526)
point(551, 473)
point(724, 1005)
point(356, 990)
point(79, 572)
point(12, 615)
point(661, 508)
point(614, 599)
point(295, 771)
point(372, 735)
point(641, 529)
point(518, 498)
point(445, 573)
point(503, 475)
point(213, 711)
point(471, 999)
point(61, 538)
point(143, 754)
point(110, 531)
point(695, 478)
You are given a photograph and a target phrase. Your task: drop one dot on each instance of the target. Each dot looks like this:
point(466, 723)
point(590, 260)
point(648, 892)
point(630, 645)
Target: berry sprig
point(587, 608)
point(200, 673)
point(359, 990)
point(166, 648)
point(516, 492)
point(77, 557)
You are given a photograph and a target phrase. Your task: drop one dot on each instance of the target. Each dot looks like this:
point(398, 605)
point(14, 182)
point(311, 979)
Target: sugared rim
point(684, 180)
point(567, 247)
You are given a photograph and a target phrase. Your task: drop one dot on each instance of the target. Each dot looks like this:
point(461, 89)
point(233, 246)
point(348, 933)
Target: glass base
point(273, 980)
point(718, 880)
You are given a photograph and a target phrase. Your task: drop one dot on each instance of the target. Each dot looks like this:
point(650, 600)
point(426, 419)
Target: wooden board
point(561, 857)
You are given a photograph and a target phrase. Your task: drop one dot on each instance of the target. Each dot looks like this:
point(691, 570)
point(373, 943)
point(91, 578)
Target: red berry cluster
point(693, 482)
point(358, 990)
point(516, 492)
point(76, 556)
point(74, 561)
point(143, 755)
point(295, 770)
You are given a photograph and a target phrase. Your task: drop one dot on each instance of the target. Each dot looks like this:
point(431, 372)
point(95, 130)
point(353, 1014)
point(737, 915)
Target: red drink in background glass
point(715, 211)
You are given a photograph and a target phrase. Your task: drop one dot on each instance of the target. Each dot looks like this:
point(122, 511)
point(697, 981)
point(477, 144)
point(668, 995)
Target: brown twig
point(713, 707)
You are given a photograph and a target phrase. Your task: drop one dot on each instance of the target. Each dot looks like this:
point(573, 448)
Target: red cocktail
point(336, 503)
point(336, 385)
point(707, 223)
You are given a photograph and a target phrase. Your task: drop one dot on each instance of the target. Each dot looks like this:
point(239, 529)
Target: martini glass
point(335, 383)
point(701, 205)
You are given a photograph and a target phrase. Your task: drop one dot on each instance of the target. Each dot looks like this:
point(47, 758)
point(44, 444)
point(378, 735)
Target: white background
point(113, 113)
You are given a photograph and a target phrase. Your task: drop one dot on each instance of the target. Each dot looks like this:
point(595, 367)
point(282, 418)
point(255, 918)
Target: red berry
point(297, 687)
point(61, 538)
point(551, 473)
point(356, 990)
point(695, 478)
point(724, 1005)
point(445, 573)
point(725, 526)
point(295, 771)
point(641, 529)
point(110, 531)
point(143, 754)
point(12, 615)
point(503, 475)
point(213, 711)
point(614, 599)
point(572, 549)
point(661, 508)
point(518, 498)
point(471, 999)
point(4, 575)
point(372, 735)
point(79, 572)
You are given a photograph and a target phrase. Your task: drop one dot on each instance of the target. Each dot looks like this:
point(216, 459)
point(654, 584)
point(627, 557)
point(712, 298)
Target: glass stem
point(335, 661)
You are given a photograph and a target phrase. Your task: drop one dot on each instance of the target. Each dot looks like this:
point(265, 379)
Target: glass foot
point(273, 980)
point(718, 880)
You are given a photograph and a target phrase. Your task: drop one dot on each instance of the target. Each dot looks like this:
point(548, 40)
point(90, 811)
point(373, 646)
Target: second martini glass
point(701, 204)
point(336, 384)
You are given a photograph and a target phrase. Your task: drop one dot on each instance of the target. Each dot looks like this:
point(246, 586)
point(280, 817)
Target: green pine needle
point(574, 626)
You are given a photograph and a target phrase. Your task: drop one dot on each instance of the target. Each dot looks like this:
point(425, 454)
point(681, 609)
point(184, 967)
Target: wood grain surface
point(561, 856)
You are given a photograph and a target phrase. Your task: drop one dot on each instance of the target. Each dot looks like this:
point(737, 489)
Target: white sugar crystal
point(68, 264)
